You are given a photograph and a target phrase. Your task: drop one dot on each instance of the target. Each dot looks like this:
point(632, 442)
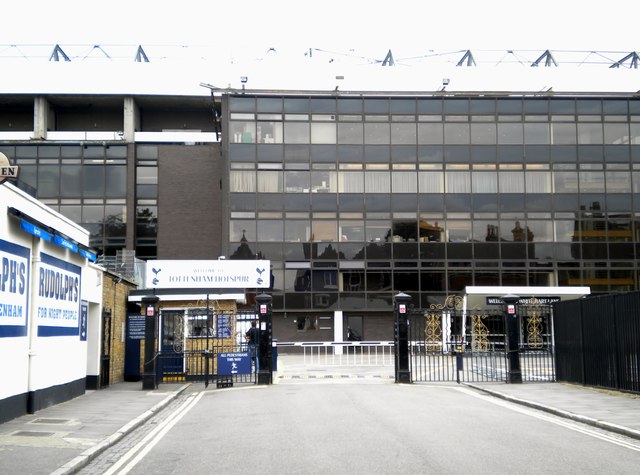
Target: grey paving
point(63, 438)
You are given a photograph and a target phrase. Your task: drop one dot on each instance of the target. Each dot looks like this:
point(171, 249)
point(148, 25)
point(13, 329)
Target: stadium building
point(420, 183)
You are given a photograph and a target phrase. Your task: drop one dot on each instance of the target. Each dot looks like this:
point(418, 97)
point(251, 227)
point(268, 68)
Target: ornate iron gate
point(191, 339)
point(450, 343)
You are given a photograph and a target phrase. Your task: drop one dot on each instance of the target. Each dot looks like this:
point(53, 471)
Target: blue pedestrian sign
point(234, 363)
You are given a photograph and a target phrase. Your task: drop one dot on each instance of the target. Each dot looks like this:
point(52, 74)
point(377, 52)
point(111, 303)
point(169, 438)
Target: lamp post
point(401, 309)
point(514, 375)
point(149, 380)
point(265, 362)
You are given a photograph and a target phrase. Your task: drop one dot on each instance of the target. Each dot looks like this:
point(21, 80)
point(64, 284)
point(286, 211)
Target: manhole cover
point(32, 433)
point(50, 421)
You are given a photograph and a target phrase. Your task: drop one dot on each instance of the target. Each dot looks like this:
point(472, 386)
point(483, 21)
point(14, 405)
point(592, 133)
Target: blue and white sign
point(234, 363)
point(223, 326)
point(220, 274)
point(84, 316)
point(14, 289)
point(58, 297)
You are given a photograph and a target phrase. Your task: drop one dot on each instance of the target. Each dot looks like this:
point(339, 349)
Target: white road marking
point(553, 419)
point(145, 445)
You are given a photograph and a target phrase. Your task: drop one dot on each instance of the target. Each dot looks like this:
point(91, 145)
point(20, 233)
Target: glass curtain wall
point(355, 199)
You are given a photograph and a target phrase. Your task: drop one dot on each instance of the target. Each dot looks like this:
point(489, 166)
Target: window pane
point(49, 181)
point(351, 182)
point(270, 230)
point(590, 133)
point(430, 133)
point(242, 181)
point(565, 182)
point(431, 182)
point(71, 181)
point(324, 231)
point(322, 132)
point(296, 132)
point(538, 182)
point(511, 182)
point(536, 133)
point(483, 133)
point(618, 182)
point(242, 132)
point(350, 133)
point(458, 182)
point(297, 231)
point(269, 182)
point(351, 231)
point(485, 182)
point(116, 181)
point(591, 182)
point(404, 182)
point(269, 132)
point(403, 133)
point(324, 181)
point(616, 133)
point(510, 133)
point(377, 182)
point(377, 133)
point(563, 133)
point(456, 134)
point(93, 181)
point(297, 182)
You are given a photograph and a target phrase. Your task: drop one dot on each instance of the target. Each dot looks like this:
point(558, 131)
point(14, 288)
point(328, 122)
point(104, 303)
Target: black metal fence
point(192, 341)
point(449, 343)
point(598, 341)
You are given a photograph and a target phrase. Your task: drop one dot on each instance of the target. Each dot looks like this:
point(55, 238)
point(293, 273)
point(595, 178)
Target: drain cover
point(50, 421)
point(32, 433)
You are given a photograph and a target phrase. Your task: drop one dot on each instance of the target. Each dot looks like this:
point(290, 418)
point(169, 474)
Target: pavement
point(62, 439)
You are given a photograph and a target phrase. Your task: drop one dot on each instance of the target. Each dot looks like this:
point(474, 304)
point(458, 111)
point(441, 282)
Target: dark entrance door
point(171, 358)
point(105, 349)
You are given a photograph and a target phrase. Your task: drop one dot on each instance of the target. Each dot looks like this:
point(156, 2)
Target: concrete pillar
point(131, 119)
point(40, 117)
point(338, 331)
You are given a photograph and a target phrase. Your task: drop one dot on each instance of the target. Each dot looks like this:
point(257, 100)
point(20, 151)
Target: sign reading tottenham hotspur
point(221, 274)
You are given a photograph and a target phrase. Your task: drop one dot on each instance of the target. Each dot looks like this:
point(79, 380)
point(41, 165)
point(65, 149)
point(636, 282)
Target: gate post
point(514, 375)
point(401, 310)
point(265, 352)
point(149, 379)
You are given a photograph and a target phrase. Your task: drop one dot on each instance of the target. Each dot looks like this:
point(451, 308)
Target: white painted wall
point(33, 362)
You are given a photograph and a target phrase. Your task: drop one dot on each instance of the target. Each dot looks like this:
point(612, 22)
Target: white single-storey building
point(50, 306)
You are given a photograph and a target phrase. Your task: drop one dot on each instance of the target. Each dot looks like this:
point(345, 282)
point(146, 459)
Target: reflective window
point(71, 181)
point(616, 133)
point(485, 182)
point(377, 182)
point(511, 182)
point(270, 230)
point(377, 133)
point(458, 182)
point(591, 182)
point(563, 133)
point(351, 182)
point(323, 133)
point(404, 182)
point(242, 132)
point(510, 133)
point(403, 133)
point(350, 133)
point(565, 182)
point(242, 181)
point(432, 182)
point(431, 133)
point(618, 182)
point(295, 132)
point(590, 133)
point(324, 230)
point(93, 181)
point(536, 133)
point(456, 134)
point(484, 133)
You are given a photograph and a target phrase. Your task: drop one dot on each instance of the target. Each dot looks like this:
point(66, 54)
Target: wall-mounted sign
point(58, 297)
point(234, 363)
point(542, 300)
point(14, 289)
point(6, 170)
point(223, 274)
point(135, 326)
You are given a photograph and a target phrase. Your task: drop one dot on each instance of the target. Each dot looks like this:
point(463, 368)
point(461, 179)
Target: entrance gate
point(449, 343)
point(193, 338)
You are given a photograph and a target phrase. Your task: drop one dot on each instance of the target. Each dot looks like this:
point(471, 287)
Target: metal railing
point(348, 353)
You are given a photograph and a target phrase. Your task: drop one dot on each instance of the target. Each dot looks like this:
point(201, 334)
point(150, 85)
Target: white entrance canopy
point(483, 296)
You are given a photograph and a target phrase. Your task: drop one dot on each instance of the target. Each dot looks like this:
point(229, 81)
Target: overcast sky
point(369, 27)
